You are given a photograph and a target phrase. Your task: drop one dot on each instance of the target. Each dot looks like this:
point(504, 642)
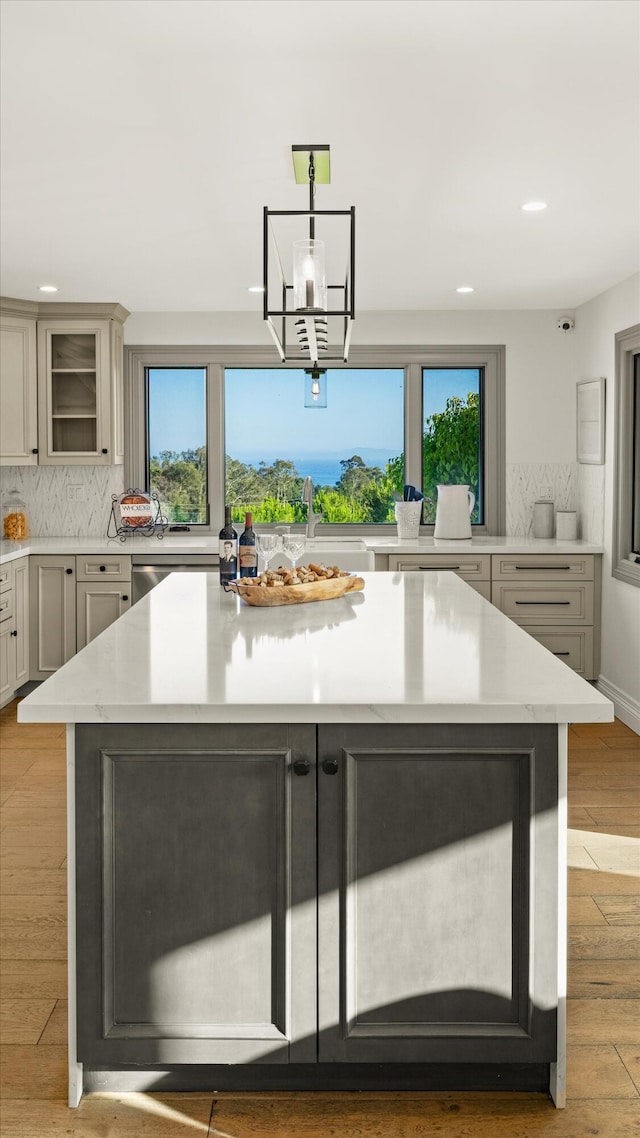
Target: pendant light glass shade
point(315, 388)
point(309, 280)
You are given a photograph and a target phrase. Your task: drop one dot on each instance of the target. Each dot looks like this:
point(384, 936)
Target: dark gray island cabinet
point(317, 898)
point(321, 846)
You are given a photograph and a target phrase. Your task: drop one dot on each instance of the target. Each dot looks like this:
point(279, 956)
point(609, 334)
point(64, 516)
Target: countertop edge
point(204, 547)
point(493, 712)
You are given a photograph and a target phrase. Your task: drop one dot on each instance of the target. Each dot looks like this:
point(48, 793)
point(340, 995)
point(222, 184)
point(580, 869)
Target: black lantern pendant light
point(308, 306)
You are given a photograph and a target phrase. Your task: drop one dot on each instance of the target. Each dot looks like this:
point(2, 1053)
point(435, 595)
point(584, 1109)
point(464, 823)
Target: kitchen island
point(319, 846)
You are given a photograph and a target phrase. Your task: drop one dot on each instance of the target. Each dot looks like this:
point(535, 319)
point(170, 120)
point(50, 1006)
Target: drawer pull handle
point(439, 567)
point(561, 653)
point(543, 602)
point(536, 567)
point(103, 568)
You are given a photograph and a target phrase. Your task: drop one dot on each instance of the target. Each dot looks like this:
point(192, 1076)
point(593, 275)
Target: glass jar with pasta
point(14, 517)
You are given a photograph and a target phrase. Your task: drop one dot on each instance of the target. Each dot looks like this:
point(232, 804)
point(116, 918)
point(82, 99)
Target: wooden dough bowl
point(297, 594)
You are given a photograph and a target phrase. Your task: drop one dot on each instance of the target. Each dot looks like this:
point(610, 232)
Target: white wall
point(539, 359)
point(596, 325)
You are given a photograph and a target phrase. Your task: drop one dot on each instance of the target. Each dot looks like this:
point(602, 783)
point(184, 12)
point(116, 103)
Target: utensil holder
point(408, 516)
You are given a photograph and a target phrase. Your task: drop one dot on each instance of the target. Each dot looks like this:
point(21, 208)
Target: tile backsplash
point(573, 486)
point(50, 513)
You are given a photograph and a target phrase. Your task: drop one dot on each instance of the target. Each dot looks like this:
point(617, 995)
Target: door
point(7, 660)
point(427, 876)
point(18, 392)
point(21, 595)
point(196, 938)
point(75, 405)
point(52, 614)
point(98, 605)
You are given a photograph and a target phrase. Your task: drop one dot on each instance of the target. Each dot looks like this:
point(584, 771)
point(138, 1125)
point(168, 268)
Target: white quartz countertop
point(410, 648)
point(176, 544)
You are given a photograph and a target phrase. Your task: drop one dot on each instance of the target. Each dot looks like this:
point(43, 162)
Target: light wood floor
point(604, 982)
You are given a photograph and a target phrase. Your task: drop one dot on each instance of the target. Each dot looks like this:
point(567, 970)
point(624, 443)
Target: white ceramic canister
point(566, 525)
point(543, 519)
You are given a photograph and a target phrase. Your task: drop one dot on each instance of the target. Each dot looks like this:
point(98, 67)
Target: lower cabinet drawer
point(103, 567)
point(538, 567)
point(467, 565)
point(574, 646)
point(5, 578)
point(548, 602)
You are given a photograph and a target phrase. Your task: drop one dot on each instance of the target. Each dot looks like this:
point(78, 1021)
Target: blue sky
point(265, 412)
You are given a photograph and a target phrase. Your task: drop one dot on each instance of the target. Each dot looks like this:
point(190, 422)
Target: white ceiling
point(141, 139)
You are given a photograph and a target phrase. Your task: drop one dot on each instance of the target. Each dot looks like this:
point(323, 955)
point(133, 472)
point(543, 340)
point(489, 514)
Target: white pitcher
point(453, 512)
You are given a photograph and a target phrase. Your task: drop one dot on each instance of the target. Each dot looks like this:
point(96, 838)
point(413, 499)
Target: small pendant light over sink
point(307, 307)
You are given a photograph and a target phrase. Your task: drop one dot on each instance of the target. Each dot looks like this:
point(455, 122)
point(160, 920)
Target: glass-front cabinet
point(80, 391)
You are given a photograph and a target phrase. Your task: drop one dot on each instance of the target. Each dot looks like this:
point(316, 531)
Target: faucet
point(307, 498)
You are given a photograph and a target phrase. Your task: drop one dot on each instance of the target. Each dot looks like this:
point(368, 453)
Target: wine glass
point(267, 545)
point(293, 544)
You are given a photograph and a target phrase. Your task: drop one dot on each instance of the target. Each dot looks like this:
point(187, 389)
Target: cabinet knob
point(103, 568)
point(301, 766)
point(34, 450)
point(15, 632)
point(330, 766)
point(68, 570)
point(125, 596)
point(104, 450)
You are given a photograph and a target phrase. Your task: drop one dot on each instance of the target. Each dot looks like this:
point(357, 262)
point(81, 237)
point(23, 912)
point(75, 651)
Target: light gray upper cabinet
point(61, 394)
point(80, 391)
point(18, 386)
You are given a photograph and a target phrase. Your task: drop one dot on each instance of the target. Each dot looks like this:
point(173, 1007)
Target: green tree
point(180, 481)
point(451, 450)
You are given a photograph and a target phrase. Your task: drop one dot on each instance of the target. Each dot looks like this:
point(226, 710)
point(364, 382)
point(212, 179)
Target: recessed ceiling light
point(256, 288)
point(465, 288)
point(48, 288)
point(533, 207)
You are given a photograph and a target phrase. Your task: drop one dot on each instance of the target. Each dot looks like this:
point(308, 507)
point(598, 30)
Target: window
point(176, 462)
point(452, 435)
point(626, 531)
point(351, 448)
point(215, 424)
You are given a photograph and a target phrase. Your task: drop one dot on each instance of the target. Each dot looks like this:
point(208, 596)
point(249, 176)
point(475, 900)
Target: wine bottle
point(228, 549)
point(247, 552)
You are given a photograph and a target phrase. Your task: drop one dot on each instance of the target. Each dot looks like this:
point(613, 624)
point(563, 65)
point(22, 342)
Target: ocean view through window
point(352, 450)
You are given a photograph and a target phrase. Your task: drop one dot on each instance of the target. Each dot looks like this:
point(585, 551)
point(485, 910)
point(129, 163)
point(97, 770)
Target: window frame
point(627, 347)
point(411, 358)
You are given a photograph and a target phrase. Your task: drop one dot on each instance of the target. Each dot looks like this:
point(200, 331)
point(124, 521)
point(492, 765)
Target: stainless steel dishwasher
point(147, 572)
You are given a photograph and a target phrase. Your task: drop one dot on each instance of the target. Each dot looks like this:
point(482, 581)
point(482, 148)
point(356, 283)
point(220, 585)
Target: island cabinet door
point(196, 926)
point(437, 858)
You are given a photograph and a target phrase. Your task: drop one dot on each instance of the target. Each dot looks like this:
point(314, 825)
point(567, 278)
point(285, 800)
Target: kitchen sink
point(348, 553)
